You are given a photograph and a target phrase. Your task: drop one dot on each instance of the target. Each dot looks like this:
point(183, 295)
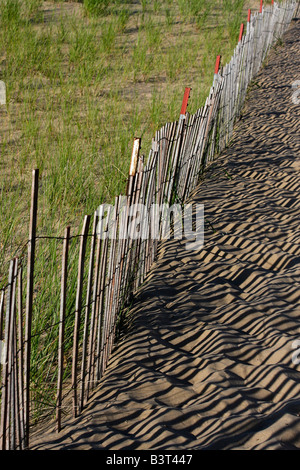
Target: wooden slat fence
point(67, 358)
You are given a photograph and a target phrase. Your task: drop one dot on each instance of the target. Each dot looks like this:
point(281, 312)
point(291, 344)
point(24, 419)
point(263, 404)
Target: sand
point(207, 362)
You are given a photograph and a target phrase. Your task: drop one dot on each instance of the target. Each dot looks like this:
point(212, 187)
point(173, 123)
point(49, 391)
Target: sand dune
point(207, 362)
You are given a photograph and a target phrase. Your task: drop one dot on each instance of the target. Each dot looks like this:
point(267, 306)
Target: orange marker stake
point(185, 102)
point(241, 32)
point(217, 67)
point(217, 64)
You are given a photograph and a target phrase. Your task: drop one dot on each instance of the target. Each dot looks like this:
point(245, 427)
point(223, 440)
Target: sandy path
point(208, 361)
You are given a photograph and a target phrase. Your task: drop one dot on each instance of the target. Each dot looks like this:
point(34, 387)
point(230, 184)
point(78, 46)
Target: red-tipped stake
point(248, 20)
point(217, 66)
point(261, 6)
point(218, 60)
point(241, 32)
point(185, 102)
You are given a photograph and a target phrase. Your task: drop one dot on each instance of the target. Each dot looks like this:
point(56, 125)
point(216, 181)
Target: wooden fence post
point(185, 101)
point(95, 304)
point(78, 308)
point(29, 299)
point(1, 315)
point(5, 370)
point(63, 295)
point(21, 354)
point(13, 416)
point(87, 314)
point(241, 32)
point(133, 163)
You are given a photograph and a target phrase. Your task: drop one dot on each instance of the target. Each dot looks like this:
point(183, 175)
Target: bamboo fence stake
point(78, 309)
point(61, 333)
point(12, 363)
point(17, 414)
point(1, 312)
point(87, 313)
point(110, 285)
point(241, 32)
point(95, 306)
point(29, 300)
point(185, 101)
point(101, 304)
point(2, 352)
point(5, 370)
point(21, 354)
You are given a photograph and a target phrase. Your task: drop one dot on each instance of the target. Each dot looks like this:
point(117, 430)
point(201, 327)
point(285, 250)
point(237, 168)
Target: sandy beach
point(207, 362)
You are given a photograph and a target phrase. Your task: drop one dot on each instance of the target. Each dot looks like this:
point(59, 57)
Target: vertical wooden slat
point(17, 415)
point(21, 355)
point(61, 334)
point(110, 286)
point(100, 310)
point(151, 199)
point(136, 254)
point(1, 312)
point(29, 299)
point(12, 365)
point(241, 32)
point(5, 369)
point(78, 309)
point(133, 163)
point(135, 156)
point(123, 222)
point(87, 314)
point(1, 334)
point(145, 198)
point(129, 242)
point(95, 307)
point(113, 290)
point(174, 160)
point(130, 193)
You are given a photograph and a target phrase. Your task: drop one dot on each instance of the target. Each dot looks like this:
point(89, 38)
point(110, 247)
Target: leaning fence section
point(57, 334)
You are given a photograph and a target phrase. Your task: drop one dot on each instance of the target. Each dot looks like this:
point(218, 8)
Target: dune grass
point(83, 79)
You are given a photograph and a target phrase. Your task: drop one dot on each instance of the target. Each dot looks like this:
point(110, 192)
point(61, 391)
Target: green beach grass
point(82, 80)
